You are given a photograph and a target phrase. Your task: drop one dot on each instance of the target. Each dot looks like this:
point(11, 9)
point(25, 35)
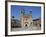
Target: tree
point(13, 17)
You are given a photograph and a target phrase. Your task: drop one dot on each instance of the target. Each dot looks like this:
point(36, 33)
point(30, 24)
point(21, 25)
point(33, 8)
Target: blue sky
point(15, 10)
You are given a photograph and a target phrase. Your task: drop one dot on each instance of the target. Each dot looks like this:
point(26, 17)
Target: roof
point(36, 19)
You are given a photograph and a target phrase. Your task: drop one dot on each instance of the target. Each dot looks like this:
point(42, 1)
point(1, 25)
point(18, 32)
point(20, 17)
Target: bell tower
point(22, 12)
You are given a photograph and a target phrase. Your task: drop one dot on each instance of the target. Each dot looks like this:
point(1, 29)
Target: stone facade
point(26, 20)
point(37, 22)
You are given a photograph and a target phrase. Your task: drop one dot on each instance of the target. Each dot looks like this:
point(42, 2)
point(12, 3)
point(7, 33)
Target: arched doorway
point(25, 25)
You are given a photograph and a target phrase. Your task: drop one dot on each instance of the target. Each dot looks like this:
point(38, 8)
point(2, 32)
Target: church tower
point(26, 20)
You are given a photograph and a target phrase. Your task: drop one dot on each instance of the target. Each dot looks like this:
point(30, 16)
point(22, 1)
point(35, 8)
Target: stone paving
point(26, 28)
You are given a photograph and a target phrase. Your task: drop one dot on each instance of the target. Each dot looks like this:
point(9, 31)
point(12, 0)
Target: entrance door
point(26, 25)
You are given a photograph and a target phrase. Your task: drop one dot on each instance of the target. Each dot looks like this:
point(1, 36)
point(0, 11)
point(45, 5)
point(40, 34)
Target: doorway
point(26, 25)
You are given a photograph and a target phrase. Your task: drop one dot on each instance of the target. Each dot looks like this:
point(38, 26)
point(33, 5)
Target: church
point(26, 20)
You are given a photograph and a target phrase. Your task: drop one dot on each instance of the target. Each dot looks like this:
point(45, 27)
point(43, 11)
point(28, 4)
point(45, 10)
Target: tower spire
point(30, 11)
point(22, 11)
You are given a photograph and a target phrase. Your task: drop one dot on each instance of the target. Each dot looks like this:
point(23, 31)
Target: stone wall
point(37, 22)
